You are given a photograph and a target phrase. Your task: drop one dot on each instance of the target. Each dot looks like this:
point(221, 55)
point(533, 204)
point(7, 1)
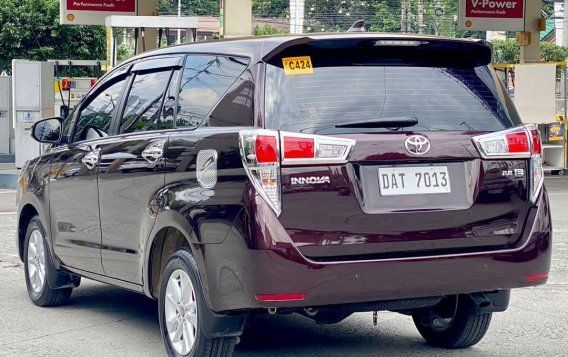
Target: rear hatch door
point(414, 183)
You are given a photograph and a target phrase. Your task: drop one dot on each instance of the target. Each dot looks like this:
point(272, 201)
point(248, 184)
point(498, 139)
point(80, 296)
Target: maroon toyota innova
point(323, 175)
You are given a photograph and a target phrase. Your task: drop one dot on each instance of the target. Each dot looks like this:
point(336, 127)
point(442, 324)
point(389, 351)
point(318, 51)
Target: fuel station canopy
point(141, 23)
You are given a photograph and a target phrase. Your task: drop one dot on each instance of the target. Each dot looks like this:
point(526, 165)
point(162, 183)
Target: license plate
point(398, 181)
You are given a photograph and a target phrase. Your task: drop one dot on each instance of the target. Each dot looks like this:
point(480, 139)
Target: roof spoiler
point(471, 52)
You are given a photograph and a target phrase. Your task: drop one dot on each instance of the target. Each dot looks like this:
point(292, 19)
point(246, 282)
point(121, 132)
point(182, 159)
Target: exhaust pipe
point(311, 311)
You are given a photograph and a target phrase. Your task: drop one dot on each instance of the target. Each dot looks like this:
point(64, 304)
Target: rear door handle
point(154, 151)
point(91, 159)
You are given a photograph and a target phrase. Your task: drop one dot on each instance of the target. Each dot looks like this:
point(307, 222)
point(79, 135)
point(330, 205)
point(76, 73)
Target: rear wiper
point(399, 122)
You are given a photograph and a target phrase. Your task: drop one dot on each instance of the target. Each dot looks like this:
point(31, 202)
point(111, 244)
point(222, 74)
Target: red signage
point(102, 5)
point(500, 9)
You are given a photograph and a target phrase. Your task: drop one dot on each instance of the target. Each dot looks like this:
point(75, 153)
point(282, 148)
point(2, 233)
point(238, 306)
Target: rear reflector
point(537, 277)
point(281, 297)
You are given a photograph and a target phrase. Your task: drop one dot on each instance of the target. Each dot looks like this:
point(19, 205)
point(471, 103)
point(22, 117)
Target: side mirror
point(48, 130)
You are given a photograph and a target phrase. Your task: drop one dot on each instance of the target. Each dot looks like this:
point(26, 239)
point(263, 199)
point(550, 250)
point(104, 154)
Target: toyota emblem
point(417, 145)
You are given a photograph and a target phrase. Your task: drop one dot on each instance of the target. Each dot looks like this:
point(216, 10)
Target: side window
point(236, 108)
point(205, 80)
point(168, 108)
point(95, 119)
point(143, 107)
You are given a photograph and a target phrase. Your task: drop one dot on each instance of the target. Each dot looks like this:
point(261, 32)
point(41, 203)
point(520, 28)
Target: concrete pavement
point(107, 321)
point(8, 175)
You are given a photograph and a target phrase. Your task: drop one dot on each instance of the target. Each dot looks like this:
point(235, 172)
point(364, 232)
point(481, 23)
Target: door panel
point(132, 167)
point(74, 207)
point(74, 200)
point(131, 171)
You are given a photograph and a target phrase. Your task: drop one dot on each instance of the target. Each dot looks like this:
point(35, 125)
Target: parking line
point(7, 213)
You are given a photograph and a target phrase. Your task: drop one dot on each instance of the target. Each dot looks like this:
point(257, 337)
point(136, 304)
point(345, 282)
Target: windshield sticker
point(297, 65)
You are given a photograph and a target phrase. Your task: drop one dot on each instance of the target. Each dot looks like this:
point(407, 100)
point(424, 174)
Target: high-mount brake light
point(400, 43)
point(264, 151)
point(522, 142)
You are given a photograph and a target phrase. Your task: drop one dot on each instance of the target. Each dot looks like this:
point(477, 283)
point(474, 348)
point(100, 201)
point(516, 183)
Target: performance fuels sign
point(93, 12)
point(492, 15)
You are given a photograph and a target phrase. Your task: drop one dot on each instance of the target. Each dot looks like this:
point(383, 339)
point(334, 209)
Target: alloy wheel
point(36, 261)
point(181, 312)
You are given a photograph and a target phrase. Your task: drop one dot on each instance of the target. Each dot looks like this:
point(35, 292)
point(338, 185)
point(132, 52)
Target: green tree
point(30, 29)
point(125, 51)
point(507, 51)
point(267, 29)
point(270, 8)
point(549, 52)
point(190, 7)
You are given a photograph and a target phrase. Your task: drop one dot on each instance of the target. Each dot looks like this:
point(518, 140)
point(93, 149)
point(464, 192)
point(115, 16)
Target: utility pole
point(420, 16)
point(179, 30)
point(405, 16)
point(565, 29)
point(439, 12)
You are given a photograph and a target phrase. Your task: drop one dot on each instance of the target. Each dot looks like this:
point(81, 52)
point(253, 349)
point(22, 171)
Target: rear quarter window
point(205, 80)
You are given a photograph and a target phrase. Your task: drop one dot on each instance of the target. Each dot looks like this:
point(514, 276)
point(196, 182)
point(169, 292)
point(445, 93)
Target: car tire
point(464, 329)
point(37, 267)
point(180, 302)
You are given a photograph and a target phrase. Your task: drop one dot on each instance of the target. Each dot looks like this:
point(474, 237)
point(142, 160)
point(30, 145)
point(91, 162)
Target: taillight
point(522, 142)
point(305, 149)
point(264, 151)
point(298, 148)
point(536, 142)
point(260, 154)
point(518, 142)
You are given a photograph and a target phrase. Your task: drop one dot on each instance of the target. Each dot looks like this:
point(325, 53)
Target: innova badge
point(417, 145)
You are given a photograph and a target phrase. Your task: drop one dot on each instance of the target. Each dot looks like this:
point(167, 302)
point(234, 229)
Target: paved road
point(107, 321)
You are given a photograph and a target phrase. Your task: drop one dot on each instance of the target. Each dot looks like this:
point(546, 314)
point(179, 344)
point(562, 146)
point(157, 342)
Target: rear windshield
point(440, 98)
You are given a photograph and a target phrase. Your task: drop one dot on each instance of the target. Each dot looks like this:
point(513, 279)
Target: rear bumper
point(257, 257)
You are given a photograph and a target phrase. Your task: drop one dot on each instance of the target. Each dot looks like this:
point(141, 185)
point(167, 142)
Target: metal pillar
point(531, 53)
point(297, 16)
point(421, 16)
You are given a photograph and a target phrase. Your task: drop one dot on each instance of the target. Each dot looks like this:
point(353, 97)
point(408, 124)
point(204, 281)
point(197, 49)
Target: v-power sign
point(492, 15)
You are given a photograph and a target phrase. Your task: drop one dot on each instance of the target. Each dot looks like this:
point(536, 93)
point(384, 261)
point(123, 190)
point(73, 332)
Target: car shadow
point(295, 335)
point(115, 303)
point(264, 335)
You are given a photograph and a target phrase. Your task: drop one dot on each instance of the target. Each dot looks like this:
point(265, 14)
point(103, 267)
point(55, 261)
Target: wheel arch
point(28, 207)
point(171, 231)
point(166, 239)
